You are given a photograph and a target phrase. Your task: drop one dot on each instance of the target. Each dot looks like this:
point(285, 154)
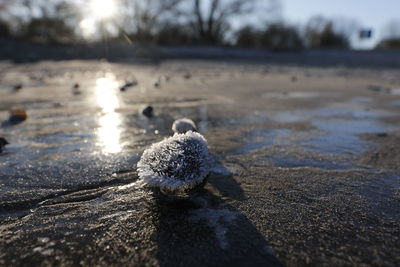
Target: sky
point(373, 14)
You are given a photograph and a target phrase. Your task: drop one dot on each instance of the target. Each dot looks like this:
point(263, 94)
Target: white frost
point(183, 125)
point(177, 162)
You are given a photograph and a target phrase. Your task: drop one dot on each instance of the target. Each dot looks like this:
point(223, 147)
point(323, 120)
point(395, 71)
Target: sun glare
point(103, 8)
point(109, 130)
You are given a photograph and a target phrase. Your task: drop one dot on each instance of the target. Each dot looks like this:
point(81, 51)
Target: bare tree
point(141, 18)
point(4, 24)
point(41, 20)
point(211, 17)
point(392, 29)
point(391, 36)
point(323, 33)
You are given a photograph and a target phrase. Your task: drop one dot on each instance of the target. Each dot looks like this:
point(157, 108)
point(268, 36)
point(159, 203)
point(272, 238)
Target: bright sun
point(103, 8)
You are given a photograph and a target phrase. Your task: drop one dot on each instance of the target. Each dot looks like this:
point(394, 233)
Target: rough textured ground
point(306, 165)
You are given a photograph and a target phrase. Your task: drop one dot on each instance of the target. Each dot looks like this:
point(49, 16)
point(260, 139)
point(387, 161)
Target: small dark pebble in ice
point(376, 88)
point(17, 87)
point(127, 85)
point(3, 143)
point(382, 134)
point(187, 76)
point(17, 116)
point(293, 79)
point(76, 90)
point(148, 111)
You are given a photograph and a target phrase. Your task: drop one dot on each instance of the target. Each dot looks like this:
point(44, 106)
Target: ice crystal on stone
point(178, 162)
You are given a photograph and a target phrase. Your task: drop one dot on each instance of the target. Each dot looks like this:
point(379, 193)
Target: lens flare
point(88, 27)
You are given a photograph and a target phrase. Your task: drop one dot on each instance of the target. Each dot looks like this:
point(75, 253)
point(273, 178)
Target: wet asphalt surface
point(306, 165)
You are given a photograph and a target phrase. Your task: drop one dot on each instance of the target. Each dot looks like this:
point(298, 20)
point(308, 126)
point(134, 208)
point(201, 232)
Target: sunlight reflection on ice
point(109, 130)
point(137, 185)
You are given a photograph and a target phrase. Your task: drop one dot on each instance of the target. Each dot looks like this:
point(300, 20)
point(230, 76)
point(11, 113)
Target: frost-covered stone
point(183, 125)
point(179, 162)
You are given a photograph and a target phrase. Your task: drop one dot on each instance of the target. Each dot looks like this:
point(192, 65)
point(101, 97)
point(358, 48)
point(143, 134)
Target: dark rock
point(76, 90)
point(379, 89)
point(382, 134)
point(148, 111)
point(127, 85)
point(3, 143)
point(17, 87)
point(17, 116)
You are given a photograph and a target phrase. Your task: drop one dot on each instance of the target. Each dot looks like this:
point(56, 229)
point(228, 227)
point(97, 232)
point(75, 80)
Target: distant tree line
point(173, 22)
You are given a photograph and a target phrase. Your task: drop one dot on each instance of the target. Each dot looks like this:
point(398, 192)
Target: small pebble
point(76, 90)
point(377, 88)
point(17, 116)
point(17, 87)
point(382, 134)
point(127, 85)
point(148, 111)
point(187, 76)
point(183, 125)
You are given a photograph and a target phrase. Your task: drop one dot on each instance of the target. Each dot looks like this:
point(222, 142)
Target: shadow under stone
point(221, 178)
point(208, 232)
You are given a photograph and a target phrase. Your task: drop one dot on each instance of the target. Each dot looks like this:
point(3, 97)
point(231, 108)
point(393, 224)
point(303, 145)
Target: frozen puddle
point(334, 141)
point(298, 94)
point(342, 136)
point(261, 138)
point(350, 126)
point(292, 162)
point(336, 144)
point(339, 127)
point(329, 112)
